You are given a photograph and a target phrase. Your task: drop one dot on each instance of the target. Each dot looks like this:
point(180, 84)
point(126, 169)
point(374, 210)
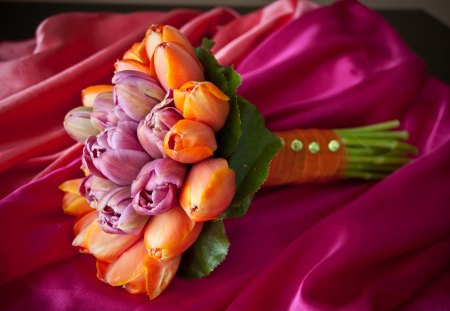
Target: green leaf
point(213, 71)
point(229, 135)
point(207, 252)
point(228, 80)
point(250, 160)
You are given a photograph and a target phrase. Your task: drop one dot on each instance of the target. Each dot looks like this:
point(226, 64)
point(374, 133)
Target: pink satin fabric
point(337, 246)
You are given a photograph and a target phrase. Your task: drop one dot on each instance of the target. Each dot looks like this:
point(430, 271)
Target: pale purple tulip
point(115, 213)
point(157, 123)
point(136, 93)
point(157, 187)
point(78, 124)
point(115, 154)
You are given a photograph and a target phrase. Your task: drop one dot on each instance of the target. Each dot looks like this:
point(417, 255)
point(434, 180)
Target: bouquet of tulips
point(170, 150)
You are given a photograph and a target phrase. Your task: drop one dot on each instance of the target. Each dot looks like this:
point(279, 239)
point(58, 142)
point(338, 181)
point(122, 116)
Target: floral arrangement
point(170, 150)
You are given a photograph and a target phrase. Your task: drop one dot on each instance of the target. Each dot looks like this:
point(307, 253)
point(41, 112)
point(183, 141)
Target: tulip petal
point(89, 94)
point(175, 66)
point(169, 234)
point(131, 64)
point(127, 267)
point(159, 275)
point(131, 222)
point(123, 136)
point(82, 230)
point(152, 39)
point(101, 116)
point(121, 166)
point(138, 285)
point(84, 221)
point(75, 205)
point(136, 93)
point(106, 246)
point(71, 185)
point(171, 34)
point(137, 53)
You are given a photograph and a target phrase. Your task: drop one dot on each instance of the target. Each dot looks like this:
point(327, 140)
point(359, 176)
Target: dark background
point(428, 37)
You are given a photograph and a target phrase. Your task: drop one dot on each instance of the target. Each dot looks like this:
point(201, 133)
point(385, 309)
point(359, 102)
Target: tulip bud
point(136, 93)
point(78, 124)
point(154, 127)
point(175, 66)
point(203, 102)
point(208, 190)
point(169, 234)
point(189, 142)
point(115, 213)
point(157, 34)
point(131, 64)
point(156, 188)
point(89, 94)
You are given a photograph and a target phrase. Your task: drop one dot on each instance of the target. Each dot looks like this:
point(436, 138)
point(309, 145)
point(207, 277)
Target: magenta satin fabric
point(338, 246)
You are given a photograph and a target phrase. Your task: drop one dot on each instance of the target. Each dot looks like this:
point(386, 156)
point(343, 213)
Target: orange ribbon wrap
point(307, 156)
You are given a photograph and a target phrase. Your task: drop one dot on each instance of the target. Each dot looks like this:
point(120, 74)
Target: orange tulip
point(169, 234)
point(189, 142)
point(208, 189)
point(89, 94)
point(156, 277)
point(175, 66)
point(159, 275)
point(137, 272)
point(127, 267)
point(104, 246)
point(157, 34)
point(131, 64)
point(203, 102)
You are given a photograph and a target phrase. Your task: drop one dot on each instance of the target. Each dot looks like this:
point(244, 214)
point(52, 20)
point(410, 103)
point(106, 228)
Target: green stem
point(364, 175)
point(364, 167)
point(378, 160)
point(389, 144)
point(382, 134)
point(383, 126)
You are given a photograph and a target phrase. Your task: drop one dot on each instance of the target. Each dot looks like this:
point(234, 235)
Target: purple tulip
point(115, 213)
point(156, 189)
point(136, 93)
point(106, 113)
point(153, 128)
point(115, 154)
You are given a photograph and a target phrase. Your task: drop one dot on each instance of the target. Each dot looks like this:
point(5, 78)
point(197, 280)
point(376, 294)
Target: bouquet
point(171, 150)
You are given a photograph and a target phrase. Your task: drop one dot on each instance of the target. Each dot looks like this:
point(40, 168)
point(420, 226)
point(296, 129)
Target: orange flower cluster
point(146, 262)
